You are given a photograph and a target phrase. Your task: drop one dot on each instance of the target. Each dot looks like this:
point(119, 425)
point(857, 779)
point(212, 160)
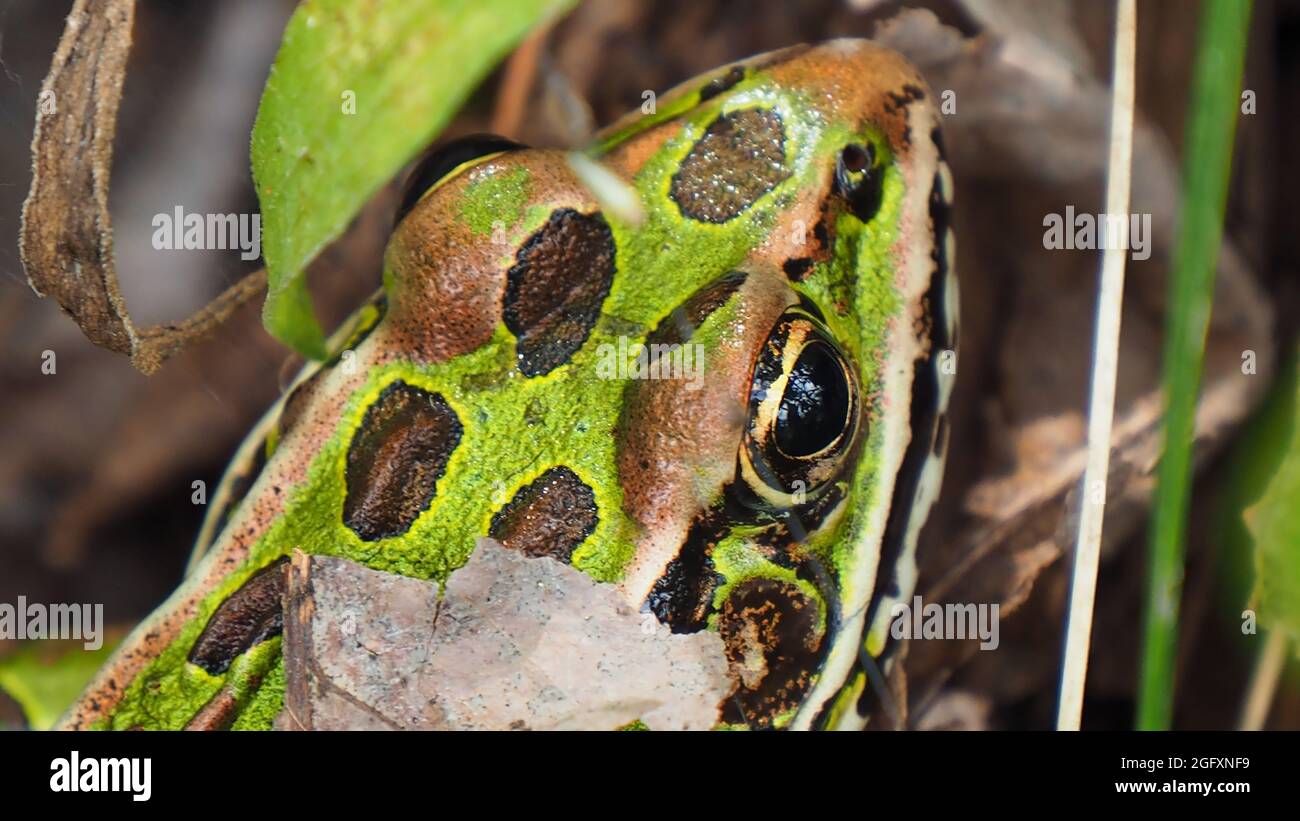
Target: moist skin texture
point(491, 396)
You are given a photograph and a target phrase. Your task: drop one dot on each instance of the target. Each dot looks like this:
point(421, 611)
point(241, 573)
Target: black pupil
point(815, 407)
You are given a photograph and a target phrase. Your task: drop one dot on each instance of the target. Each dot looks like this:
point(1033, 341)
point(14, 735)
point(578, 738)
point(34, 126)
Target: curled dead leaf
point(66, 239)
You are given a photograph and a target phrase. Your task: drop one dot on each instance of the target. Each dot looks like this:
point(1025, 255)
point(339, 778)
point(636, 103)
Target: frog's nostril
point(857, 158)
point(858, 180)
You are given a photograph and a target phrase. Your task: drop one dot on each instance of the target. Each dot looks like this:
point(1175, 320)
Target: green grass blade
point(356, 91)
point(1211, 125)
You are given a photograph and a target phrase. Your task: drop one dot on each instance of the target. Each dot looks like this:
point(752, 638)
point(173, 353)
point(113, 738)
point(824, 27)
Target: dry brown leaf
point(66, 240)
point(513, 643)
point(956, 710)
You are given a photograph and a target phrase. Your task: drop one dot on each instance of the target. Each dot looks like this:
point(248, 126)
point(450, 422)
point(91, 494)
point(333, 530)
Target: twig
point(520, 73)
point(66, 237)
point(158, 342)
point(1263, 683)
point(1101, 410)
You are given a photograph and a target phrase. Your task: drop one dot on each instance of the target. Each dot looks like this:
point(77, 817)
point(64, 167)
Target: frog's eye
point(803, 412)
point(435, 165)
point(857, 179)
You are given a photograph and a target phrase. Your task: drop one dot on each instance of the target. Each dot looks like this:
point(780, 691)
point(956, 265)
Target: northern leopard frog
point(794, 261)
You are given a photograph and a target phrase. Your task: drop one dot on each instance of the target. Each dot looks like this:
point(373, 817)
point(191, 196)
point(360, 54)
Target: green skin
point(866, 286)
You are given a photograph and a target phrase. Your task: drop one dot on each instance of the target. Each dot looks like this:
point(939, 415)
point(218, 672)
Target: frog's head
point(734, 405)
point(731, 408)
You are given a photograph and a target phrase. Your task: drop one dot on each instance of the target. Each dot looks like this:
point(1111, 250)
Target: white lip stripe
point(904, 355)
point(945, 182)
point(930, 481)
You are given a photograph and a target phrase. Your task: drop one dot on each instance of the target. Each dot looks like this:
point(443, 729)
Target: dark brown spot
point(556, 287)
point(683, 596)
point(821, 233)
point(771, 631)
point(739, 159)
point(680, 325)
point(395, 460)
point(240, 483)
point(249, 616)
point(549, 517)
point(720, 84)
point(899, 100)
point(796, 268)
point(296, 402)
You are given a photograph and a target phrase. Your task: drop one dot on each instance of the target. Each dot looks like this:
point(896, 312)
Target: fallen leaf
point(66, 238)
point(513, 642)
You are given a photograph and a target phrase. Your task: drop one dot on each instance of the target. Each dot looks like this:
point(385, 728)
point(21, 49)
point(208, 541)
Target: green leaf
point(403, 67)
point(1207, 163)
point(1274, 520)
point(45, 677)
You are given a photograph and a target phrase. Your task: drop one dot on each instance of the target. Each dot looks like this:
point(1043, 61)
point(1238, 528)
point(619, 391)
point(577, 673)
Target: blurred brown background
point(97, 461)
